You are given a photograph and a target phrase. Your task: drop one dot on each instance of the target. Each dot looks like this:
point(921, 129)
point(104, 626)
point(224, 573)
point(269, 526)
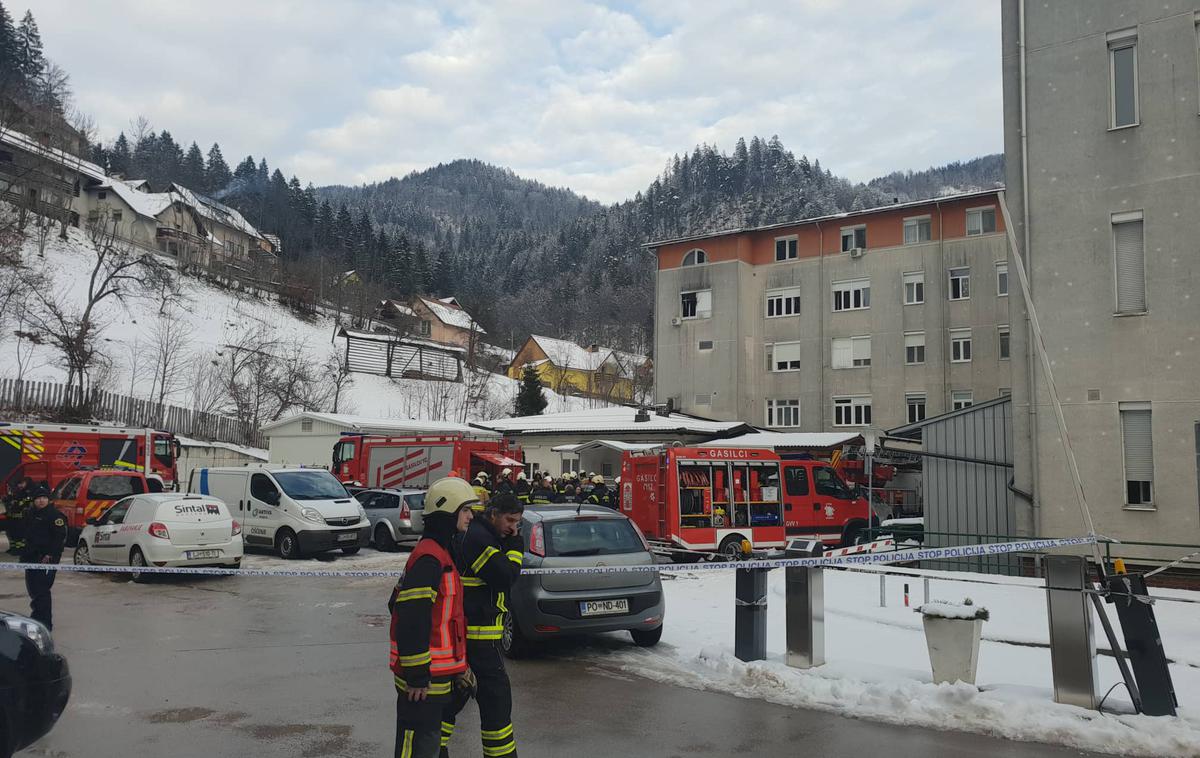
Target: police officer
point(599, 493)
point(521, 488)
point(45, 536)
point(489, 559)
point(428, 631)
point(15, 506)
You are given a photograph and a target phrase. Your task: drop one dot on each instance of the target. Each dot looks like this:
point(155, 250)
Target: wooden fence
point(50, 401)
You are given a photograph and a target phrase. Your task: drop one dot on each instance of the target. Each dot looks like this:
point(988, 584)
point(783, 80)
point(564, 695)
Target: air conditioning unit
point(676, 321)
point(856, 252)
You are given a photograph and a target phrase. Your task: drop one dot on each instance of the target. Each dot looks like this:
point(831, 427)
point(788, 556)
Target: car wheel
point(136, 559)
point(853, 535)
point(731, 547)
point(646, 637)
point(287, 545)
point(384, 540)
point(513, 643)
point(350, 550)
point(83, 556)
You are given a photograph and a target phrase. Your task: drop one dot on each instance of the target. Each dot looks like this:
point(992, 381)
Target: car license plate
point(603, 607)
point(348, 537)
point(196, 554)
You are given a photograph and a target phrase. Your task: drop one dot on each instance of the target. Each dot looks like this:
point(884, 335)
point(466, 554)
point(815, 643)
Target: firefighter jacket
point(503, 487)
point(428, 632)
point(45, 534)
point(481, 492)
point(521, 488)
point(489, 565)
point(541, 495)
point(598, 496)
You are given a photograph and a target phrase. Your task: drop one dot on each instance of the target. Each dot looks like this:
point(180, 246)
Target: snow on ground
point(217, 317)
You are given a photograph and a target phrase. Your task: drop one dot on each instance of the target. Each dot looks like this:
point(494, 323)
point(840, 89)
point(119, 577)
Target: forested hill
point(960, 176)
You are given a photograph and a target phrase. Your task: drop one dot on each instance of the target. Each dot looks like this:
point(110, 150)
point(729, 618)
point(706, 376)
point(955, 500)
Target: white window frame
point(699, 314)
point(961, 343)
point(1122, 408)
point(1003, 333)
point(1123, 40)
point(914, 222)
point(781, 407)
point(922, 346)
point(857, 406)
point(783, 295)
point(850, 346)
point(912, 400)
point(1115, 220)
point(1002, 271)
point(951, 276)
point(699, 258)
point(915, 278)
point(960, 399)
point(850, 286)
point(980, 211)
point(772, 356)
point(852, 233)
point(791, 251)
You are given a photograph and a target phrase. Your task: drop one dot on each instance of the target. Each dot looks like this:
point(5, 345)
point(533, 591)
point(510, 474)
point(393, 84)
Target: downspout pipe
point(1030, 358)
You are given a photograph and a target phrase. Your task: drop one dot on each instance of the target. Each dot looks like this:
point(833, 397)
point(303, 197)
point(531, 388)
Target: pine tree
point(323, 234)
point(343, 233)
point(29, 59)
point(191, 173)
point(216, 171)
point(530, 400)
point(420, 269)
point(119, 157)
point(11, 75)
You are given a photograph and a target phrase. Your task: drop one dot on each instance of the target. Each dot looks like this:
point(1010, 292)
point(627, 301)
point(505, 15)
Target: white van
point(295, 511)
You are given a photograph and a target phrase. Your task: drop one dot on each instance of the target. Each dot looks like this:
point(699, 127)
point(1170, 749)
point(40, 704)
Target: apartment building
point(869, 319)
point(1102, 147)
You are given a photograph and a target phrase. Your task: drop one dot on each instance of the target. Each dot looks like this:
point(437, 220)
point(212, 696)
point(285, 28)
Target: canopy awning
point(500, 459)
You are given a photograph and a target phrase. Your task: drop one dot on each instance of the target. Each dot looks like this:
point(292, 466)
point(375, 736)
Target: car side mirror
point(93, 522)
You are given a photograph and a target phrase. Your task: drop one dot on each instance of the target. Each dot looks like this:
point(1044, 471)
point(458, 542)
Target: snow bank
point(946, 610)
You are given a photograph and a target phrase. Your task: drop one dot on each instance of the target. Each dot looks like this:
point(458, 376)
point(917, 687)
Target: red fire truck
point(397, 462)
point(705, 499)
point(51, 452)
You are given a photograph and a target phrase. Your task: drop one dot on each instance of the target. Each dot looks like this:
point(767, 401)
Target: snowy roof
point(452, 315)
point(358, 334)
point(138, 184)
point(399, 306)
point(612, 419)
point(214, 211)
point(623, 447)
point(378, 425)
point(776, 440)
point(63, 158)
point(148, 204)
point(253, 452)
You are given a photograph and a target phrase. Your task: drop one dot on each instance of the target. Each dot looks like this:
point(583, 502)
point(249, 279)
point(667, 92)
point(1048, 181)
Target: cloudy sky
point(588, 95)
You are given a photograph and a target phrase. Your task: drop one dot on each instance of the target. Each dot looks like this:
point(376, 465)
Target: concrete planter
point(953, 647)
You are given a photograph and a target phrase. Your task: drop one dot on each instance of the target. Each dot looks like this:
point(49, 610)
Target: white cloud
point(571, 92)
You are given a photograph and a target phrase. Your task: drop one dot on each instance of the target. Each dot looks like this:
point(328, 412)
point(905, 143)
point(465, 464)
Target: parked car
point(35, 682)
point(547, 606)
point(395, 516)
point(88, 493)
point(164, 529)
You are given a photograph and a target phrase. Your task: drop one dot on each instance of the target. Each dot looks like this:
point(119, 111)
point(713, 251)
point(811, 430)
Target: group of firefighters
point(571, 487)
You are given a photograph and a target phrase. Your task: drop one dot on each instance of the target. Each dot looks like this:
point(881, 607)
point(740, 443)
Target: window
point(916, 407)
point(981, 221)
point(6, 157)
point(795, 480)
point(783, 356)
point(93, 215)
point(1129, 261)
point(606, 469)
point(783, 413)
point(426, 328)
point(1002, 279)
point(262, 488)
point(116, 215)
point(914, 348)
point(854, 236)
point(1003, 342)
point(960, 345)
point(1123, 78)
point(852, 411)
point(704, 345)
point(102, 195)
point(695, 304)
point(1136, 439)
point(113, 487)
point(960, 284)
point(852, 295)
point(306, 425)
point(783, 302)
point(704, 399)
point(917, 230)
point(1006, 392)
point(914, 288)
point(695, 258)
point(785, 248)
point(960, 399)
point(116, 514)
point(851, 352)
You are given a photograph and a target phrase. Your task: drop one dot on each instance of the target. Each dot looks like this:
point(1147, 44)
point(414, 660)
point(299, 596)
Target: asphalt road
point(294, 667)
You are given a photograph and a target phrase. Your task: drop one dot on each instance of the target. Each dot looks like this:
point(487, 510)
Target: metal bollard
point(926, 600)
point(883, 590)
point(805, 608)
point(1072, 639)
point(750, 614)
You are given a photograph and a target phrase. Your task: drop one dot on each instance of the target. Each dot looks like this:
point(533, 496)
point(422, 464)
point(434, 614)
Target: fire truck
point(705, 499)
point(51, 452)
point(417, 461)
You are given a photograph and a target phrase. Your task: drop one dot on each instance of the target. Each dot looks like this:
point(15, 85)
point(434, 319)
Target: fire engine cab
point(705, 499)
point(403, 462)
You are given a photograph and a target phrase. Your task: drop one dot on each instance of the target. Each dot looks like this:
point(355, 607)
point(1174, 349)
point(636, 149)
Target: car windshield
point(576, 537)
point(311, 485)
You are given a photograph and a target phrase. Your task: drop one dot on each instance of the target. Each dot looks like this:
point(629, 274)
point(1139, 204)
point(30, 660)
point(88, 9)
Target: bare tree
point(245, 369)
point(168, 353)
point(207, 390)
point(337, 369)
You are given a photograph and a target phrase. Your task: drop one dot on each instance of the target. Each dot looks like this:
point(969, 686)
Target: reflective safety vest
point(447, 634)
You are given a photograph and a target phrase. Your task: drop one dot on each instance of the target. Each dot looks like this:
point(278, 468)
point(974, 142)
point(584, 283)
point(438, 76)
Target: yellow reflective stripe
point(406, 748)
point(447, 733)
point(515, 556)
point(484, 636)
point(505, 749)
point(416, 593)
point(435, 688)
point(487, 553)
point(500, 606)
point(11, 441)
point(416, 659)
point(497, 734)
point(124, 464)
point(472, 581)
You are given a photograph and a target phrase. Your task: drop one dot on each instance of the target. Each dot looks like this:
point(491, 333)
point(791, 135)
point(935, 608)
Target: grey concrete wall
point(1080, 172)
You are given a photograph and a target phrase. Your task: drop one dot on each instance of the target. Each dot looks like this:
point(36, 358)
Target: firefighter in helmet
point(599, 493)
point(482, 492)
point(505, 483)
point(16, 505)
point(542, 492)
point(521, 488)
point(428, 630)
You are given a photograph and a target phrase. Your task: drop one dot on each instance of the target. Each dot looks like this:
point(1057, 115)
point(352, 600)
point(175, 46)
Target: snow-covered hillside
point(212, 319)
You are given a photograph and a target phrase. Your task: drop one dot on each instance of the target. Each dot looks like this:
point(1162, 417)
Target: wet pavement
point(220, 666)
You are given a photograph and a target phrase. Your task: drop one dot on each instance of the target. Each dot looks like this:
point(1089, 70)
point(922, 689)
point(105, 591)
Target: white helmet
point(448, 495)
point(617, 480)
point(506, 472)
point(481, 475)
point(597, 479)
point(521, 477)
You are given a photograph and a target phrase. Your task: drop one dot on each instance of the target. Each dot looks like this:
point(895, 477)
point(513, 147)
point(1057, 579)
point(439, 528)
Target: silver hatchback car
point(546, 606)
point(395, 516)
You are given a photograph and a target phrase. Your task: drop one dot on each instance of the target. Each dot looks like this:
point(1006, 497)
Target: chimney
point(642, 416)
point(895, 201)
point(593, 348)
point(667, 409)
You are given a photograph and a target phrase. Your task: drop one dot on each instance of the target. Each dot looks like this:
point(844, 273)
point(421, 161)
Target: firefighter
point(599, 493)
point(45, 536)
point(614, 495)
point(521, 488)
point(542, 493)
point(428, 629)
point(16, 505)
point(505, 484)
point(482, 492)
point(563, 488)
point(489, 559)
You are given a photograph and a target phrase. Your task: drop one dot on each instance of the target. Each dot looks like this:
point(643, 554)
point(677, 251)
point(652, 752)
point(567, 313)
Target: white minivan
point(295, 511)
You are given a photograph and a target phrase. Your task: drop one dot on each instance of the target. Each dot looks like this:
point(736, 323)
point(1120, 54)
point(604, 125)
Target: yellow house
point(571, 369)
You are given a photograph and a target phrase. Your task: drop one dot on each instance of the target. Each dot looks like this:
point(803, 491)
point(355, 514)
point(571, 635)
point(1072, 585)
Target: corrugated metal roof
point(378, 425)
point(612, 419)
point(775, 440)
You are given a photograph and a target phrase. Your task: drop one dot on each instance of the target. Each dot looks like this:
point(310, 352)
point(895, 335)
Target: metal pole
point(883, 590)
point(926, 600)
point(870, 489)
point(750, 614)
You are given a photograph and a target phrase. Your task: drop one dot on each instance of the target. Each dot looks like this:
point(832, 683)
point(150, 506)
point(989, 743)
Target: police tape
point(862, 559)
